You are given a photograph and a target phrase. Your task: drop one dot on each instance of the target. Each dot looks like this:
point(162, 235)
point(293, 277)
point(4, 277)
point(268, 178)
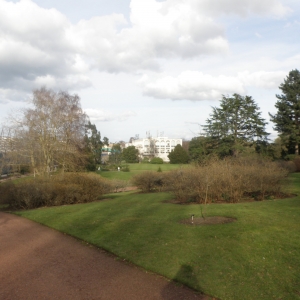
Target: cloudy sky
point(148, 66)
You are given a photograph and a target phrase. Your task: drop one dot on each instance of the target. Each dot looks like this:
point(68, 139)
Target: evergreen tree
point(198, 147)
point(93, 145)
point(130, 154)
point(287, 118)
point(237, 123)
point(178, 155)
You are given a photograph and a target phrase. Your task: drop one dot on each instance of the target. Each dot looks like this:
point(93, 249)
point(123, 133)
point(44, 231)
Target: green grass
point(136, 169)
point(256, 257)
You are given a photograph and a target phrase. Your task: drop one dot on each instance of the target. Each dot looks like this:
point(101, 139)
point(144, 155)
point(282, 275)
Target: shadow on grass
point(184, 275)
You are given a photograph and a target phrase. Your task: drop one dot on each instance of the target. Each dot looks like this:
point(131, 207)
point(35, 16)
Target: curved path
point(37, 262)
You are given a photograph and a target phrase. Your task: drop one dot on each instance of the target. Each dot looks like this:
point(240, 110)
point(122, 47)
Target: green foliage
point(159, 169)
point(199, 148)
point(236, 124)
point(67, 188)
point(178, 155)
point(93, 146)
point(287, 118)
point(256, 257)
point(130, 154)
point(156, 160)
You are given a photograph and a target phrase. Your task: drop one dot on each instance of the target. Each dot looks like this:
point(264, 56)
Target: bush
point(156, 160)
point(67, 188)
point(118, 185)
point(226, 181)
point(217, 181)
point(125, 169)
point(149, 181)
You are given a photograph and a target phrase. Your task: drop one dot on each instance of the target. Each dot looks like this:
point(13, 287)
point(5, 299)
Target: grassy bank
point(256, 257)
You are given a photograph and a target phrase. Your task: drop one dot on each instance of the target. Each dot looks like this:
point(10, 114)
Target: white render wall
point(158, 147)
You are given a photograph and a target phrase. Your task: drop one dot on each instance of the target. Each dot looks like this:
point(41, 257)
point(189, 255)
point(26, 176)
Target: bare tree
point(52, 132)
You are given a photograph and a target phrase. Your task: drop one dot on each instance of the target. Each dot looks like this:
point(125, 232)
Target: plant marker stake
point(192, 219)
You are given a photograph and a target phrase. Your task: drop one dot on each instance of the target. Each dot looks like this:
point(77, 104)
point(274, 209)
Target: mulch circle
point(207, 221)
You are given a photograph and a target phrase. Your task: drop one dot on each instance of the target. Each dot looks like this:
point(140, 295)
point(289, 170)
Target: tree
point(287, 118)
point(198, 147)
point(93, 145)
point(52, 132)
point(115, 156)
point(178, 155)
point(237, 123)
point(130, 154)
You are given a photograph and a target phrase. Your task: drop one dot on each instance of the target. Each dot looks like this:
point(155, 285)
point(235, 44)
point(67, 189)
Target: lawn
point(136, 169)
point(256, 257)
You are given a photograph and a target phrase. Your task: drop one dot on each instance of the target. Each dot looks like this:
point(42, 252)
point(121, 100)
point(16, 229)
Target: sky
point(148, 67)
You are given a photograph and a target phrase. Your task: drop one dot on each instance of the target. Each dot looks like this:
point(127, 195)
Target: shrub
point(156, 160)
point(148, 181)
point(217, 181)
point(125, 169)
point(118, 185)
point(67, 188)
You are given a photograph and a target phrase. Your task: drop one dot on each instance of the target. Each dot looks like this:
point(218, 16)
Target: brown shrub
point(225, 181)
point(67, 188)
point(149, 181)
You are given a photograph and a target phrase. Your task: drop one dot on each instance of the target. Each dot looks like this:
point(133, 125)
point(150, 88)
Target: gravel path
point(37, 262)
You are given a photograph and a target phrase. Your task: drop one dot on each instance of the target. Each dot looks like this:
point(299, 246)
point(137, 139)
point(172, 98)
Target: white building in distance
point(155, 147)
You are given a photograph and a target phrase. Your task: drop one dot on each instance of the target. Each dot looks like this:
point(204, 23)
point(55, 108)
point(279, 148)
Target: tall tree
point(235, 124)
point(52, 131)
point(287, 118)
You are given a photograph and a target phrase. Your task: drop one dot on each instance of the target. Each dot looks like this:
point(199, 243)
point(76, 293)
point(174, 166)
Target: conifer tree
point(178, 155)
point(235, 124)
point(287, 118)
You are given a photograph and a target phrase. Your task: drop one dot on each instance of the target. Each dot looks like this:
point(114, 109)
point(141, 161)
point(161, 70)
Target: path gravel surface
point(37, 262)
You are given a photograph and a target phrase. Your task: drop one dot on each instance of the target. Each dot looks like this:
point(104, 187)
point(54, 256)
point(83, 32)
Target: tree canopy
point(178, 155)
point(130, 154)
point(287, 118)
point(235, 124)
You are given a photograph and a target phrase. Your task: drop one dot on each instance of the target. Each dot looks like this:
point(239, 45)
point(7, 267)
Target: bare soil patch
point(207, 221)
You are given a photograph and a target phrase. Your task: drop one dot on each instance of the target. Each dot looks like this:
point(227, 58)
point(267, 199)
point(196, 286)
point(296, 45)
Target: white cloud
point(41, 46)
point(191, 85)
point(262, 79)
point(104, 116)
point(243, 8)
point(196, 86)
